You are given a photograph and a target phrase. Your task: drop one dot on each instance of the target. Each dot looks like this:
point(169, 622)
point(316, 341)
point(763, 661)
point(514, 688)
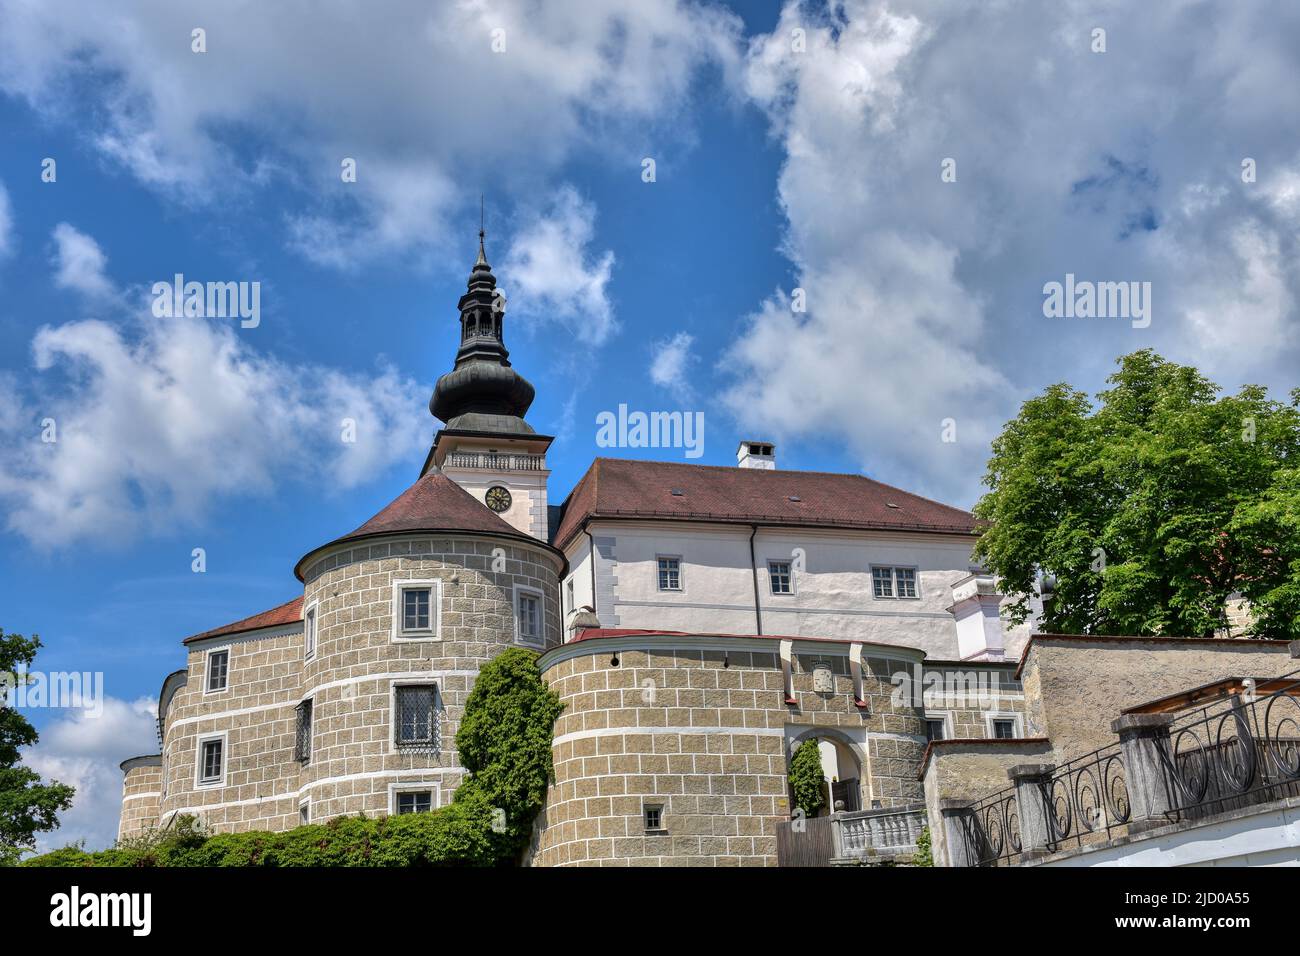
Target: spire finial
point(482, 256)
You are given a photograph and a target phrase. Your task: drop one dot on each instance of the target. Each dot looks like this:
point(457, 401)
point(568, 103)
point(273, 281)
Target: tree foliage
point(28, 805)
point(807, 778)
point(1151, 508)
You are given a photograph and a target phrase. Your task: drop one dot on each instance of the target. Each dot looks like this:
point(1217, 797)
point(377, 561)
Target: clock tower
point(486, 447)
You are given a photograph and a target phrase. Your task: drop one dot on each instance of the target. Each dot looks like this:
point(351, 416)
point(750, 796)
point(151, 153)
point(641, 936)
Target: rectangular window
point(670, 574)
point(778, 573)
point(654, 816)
point(570, 603)
point(415, 717)
point(302, 733)
point(894, 583)
point(304, 813)
point(210, 760)
point(309, 633)
point(415, 609)
point(529, 613)
point(882, 582)
point(414, 801)
point(218, 670)
point(906, 580)
point(934, 728)
point(1004, 728)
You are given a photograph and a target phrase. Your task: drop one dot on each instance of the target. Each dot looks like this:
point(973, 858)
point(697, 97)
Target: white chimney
point(756, 454)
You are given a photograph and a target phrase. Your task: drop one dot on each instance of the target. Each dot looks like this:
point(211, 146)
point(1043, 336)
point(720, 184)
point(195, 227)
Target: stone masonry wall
point(141, 794)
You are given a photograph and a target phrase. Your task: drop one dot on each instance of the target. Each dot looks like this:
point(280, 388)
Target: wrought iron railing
point(991, 830)
point(862, 832)
point(1085, 797)
point(1235, 753)
point(496, 462)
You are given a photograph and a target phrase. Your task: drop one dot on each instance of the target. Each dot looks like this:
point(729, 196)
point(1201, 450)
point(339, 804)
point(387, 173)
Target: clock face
point(498, 499)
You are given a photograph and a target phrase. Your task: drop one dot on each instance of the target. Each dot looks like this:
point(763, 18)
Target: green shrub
point(808, 779)
point(924, 854)
point(504, 742)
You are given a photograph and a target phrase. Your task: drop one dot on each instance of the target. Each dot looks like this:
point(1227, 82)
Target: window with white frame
point(893, 582)
point(415, 610)
point(778, 573)
point(304, 813)
point(670, 573)
point(218, 671)
point(570, 603)
point(528, 615)
point(413, 801)
point(211, 755)
point(938, 725)
point(416, 724)
point(1003, 726)
point(309, 632)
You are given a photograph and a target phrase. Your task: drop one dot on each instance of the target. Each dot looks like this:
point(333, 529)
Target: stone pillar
point(1144, 741)
point(1295, 649)
point(956, 849)
point(1033, 788)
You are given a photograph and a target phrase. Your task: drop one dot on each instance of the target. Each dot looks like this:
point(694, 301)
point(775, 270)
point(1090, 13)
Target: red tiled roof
point(619, 488)
point(435, 503)
point(287, 613)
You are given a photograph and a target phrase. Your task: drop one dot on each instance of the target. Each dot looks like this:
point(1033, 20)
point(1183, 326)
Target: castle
point(698, 622)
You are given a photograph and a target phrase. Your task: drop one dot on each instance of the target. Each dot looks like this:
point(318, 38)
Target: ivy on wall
point(808, 779)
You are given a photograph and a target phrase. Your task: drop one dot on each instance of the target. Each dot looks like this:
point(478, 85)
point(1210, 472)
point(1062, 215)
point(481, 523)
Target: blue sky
point(776, 168)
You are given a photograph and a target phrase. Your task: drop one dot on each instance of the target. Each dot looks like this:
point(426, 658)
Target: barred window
point(218, 670)
point(415, 609)
point(302, 734)
point(779, 573)
point(416, 717)
point(414, 801)
point(210, 761)
point(670, 574)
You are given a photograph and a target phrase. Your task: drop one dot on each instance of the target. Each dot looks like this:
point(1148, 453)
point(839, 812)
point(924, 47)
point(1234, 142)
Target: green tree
point(504, 741)
point(1150, 508)
point(28, 806)
point(807, 778)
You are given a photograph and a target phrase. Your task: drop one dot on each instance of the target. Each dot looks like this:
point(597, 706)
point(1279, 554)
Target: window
point(1004, 728)
point(934, 727)
point(528, 615)
point(670, 574)
point(416, 610)
point(212, 761)
point(893, 583)
point(882, 582)
point(304, 813)
point(302, 732)
point(309, 633)
point(414, 801)
point(570, 603)
point(779, 574)
point(415, 717)
point(218, 670)
point(654, 816)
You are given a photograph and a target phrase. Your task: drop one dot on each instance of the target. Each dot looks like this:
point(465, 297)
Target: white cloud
point(416, 96)
point(672, 362)
point(84, 751)
point(79, 263)
point(6, 223)
point(924, 297)
point(156, 418)
point(553, 275)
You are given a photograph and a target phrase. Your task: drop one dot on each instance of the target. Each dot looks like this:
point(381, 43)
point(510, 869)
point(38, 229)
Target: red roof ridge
point(289, 612)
